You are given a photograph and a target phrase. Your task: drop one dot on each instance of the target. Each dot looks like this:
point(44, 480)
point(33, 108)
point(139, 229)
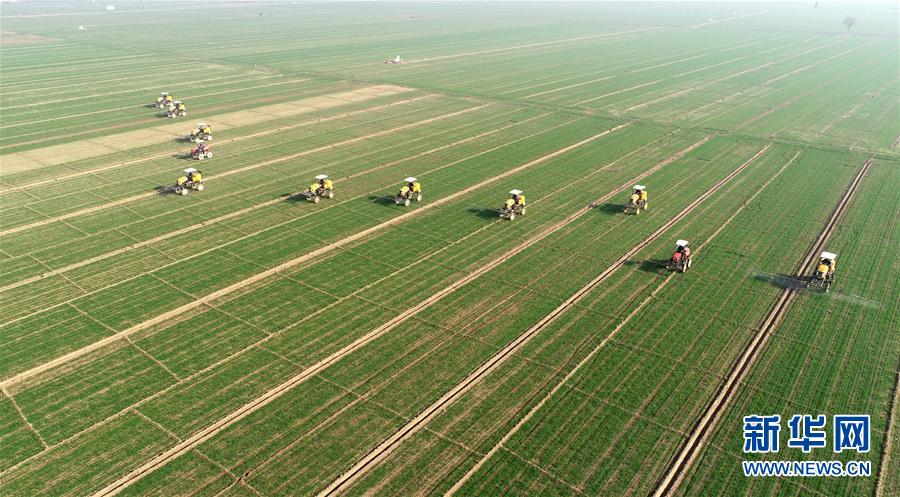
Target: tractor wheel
point(512, 216)
point(419, 197)
point(316, 199)
point(201, 187)
point(406, 202)
point(523, 210)
point(183, 191)
point(209, 155)
point(637, 212)
point(330, 193)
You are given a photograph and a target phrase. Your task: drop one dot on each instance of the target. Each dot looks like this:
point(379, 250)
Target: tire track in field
point(494, 362)
point(230, 242)
point(6, 383)
point(254, 207)
point(708, 23)
point(606, 340)
point(693, 446)
point(238, 170)
point(148, 158)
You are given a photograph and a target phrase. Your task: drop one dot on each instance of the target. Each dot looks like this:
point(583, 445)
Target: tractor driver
point(518, 199)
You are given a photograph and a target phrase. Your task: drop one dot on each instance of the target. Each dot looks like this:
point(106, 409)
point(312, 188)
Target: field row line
point(689, 452)
point(298, 260)
point(255, 207)
point(90, 210)
point(702, 24)
point(393, 442)
point(236, 139)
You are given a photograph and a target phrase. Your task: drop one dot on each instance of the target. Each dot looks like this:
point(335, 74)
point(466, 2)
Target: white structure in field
point(110, 7)
point(394, 60)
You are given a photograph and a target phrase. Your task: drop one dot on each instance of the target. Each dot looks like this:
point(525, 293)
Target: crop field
point(244, 341)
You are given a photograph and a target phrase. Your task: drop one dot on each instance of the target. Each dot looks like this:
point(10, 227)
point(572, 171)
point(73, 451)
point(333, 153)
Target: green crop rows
point(243, 341)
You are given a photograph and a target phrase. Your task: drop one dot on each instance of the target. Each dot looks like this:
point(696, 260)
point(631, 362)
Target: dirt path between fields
point(606, 340)
point(701, 431)
point(232, 140)
point(291, 263)
point(230, 172)
point(70, 152)
point(494, 362)
point(884, 463)
point(254, 207)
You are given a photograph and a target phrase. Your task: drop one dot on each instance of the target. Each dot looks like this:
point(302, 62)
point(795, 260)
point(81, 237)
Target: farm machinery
point(176, 109)
point(412, 190)
point(192, 179)
point(203, 132)
point(322, 188)
point(823, 276)
point(638, 200)
point(681, 258)
point(514, 206)
point(202, 151)
point(163, 100)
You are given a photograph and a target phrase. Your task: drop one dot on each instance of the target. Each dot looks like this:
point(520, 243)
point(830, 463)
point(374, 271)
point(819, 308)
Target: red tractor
point(203, 151)
point(681, 258)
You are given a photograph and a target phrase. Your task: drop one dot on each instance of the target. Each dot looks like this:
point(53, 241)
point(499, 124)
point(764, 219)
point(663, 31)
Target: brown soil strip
point(692, 448)
point(503, 441)
point(893, 417)
point(68, 152)
point(232, 140)
point(11, 38)
point(230, 172)
point(291, 263)
point(492, 364)
point(245, 210)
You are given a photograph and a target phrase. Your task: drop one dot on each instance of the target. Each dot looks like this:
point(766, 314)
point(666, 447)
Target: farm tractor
point(638, 200)
point(322, 188)
point(514, 206)
point(412, 190)
point(681, 258)
point(202, 151)
point(203, 132)
point(176, 109)
point(191, 180)
point(163, 100)
point(823, 276)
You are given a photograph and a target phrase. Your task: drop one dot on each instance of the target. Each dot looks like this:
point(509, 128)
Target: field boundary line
point(238, 170)
point(702, 24)
point(290, 127)
point(251, 208)
point(298, 260)
point(684, 459)
point(885, 459)
point(30, 426)
point(414, 425)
